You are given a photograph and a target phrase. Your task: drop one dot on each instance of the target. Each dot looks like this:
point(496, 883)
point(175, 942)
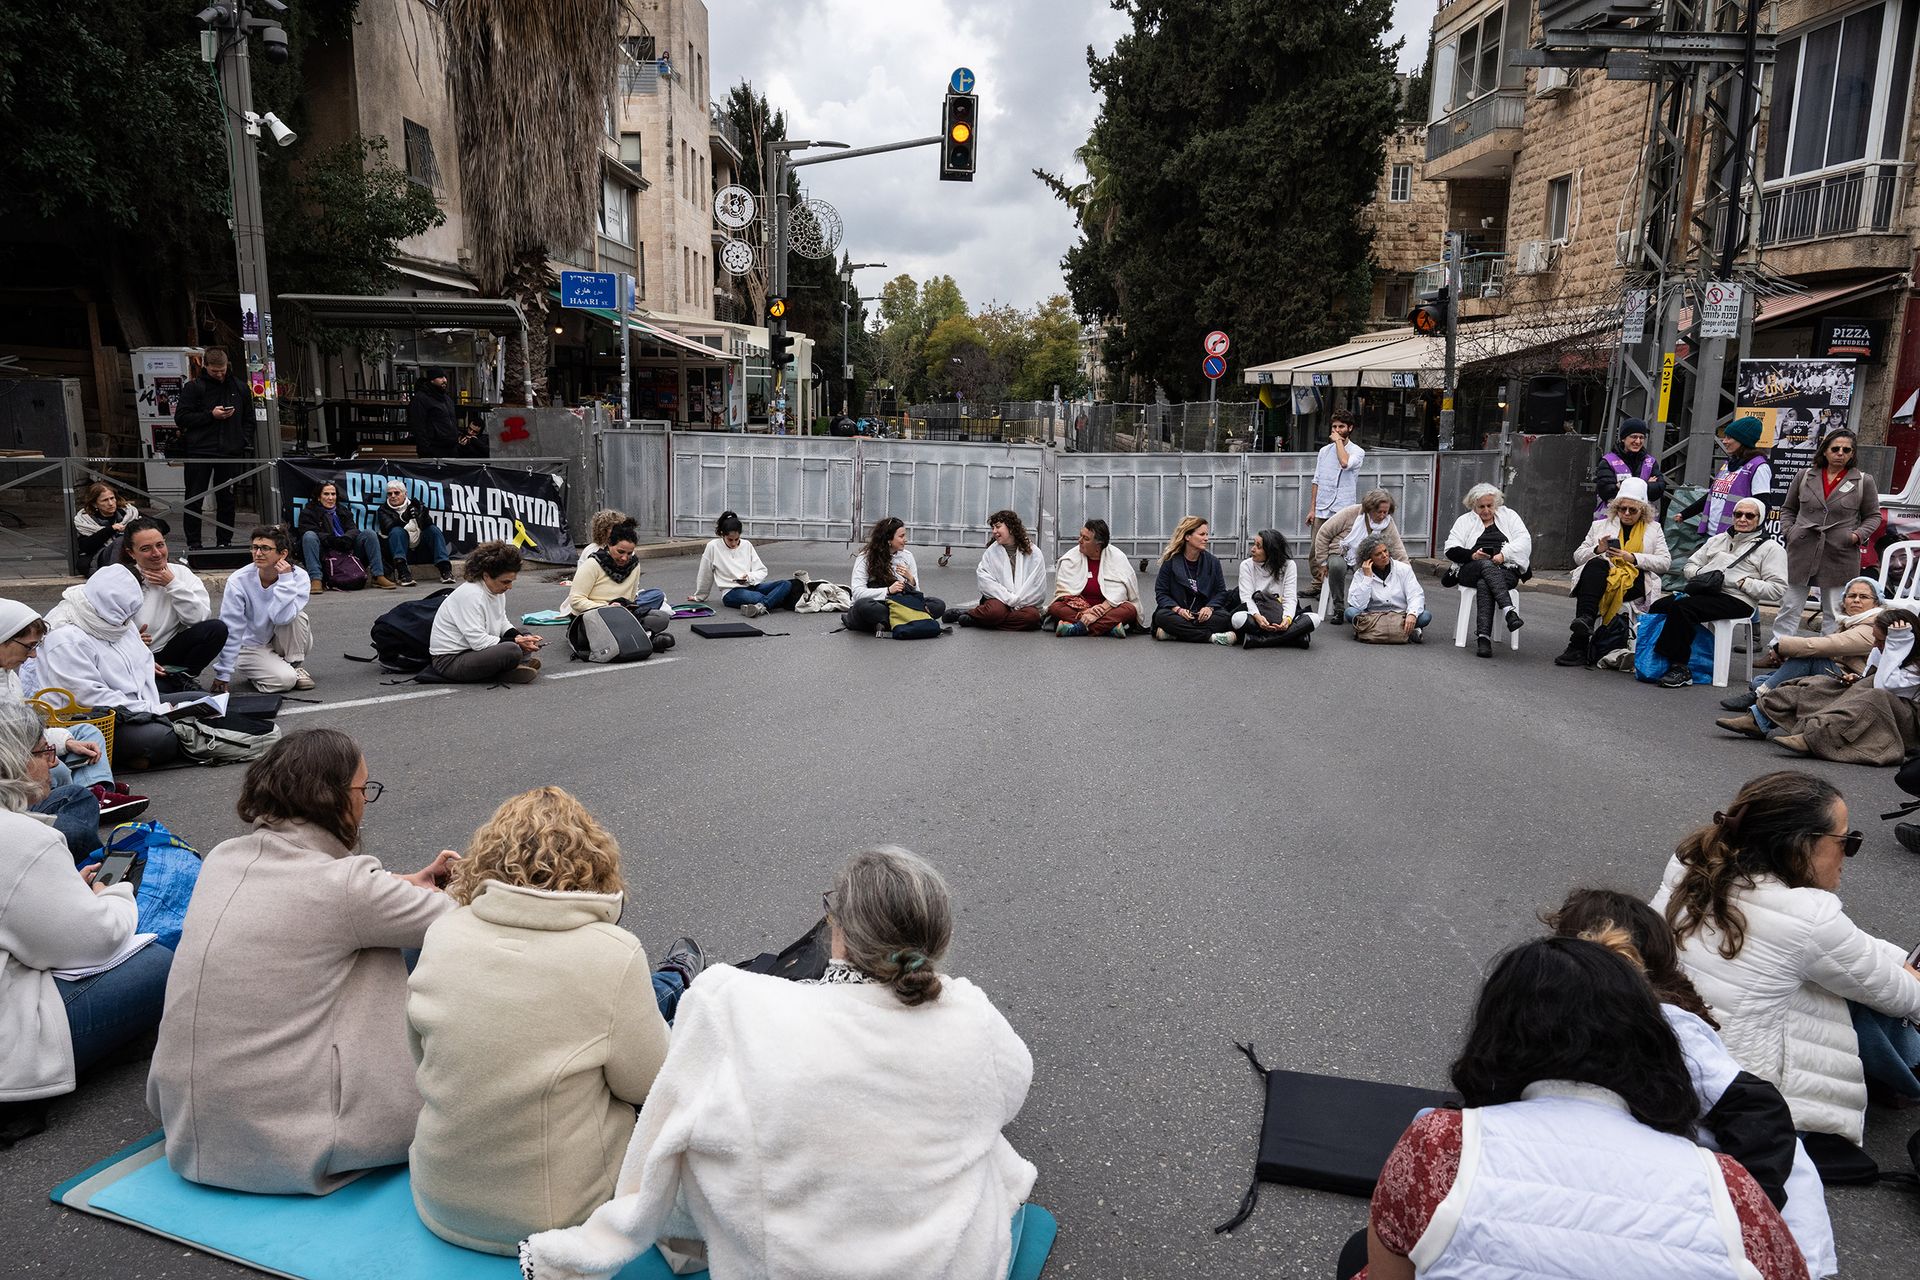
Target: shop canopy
point(652, 331)
point(349, 311)
point(1406, 359)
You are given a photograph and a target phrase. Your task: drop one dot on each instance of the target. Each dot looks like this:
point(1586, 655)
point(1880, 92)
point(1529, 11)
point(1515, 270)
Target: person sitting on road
point(176, 611)
point(610, 574)
point(1095, 589)
point(1385, 602)
point(82, 791)
point(264, 607)
point(1269, 591)
point(1190, 591)
point(472, 641)
point(818, 1104)
point(1012, 578)
point(1579, 1127)
point(1618, 562)
point(537, 1026)
point(884, 567)
point(1867, 719)
point(604, 522)
point(282, 1065)
point(1730, 576)
point(1336, 542)
point(52, 918)
point(731, 562)
point(99, 519)
point(411, 534)
point(1753, 901)
point(1490, 548)
point(328, 525)
point(1843, 653)
point(1740, 1114)
point(93, 650)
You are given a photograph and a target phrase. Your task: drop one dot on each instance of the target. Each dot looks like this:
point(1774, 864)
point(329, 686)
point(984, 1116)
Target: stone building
point(1408, 218)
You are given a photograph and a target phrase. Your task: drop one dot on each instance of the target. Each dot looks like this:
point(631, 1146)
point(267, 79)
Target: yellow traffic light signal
point(961, 115)
point(777, 308)
point(961, 133)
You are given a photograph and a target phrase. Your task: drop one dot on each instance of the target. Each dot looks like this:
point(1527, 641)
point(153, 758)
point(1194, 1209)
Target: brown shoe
point(530, 662)
point(1746, 725)
point(1794, 742)
point(1768, 661)
point(523, 674)
point(385, 583)
point(315, 587)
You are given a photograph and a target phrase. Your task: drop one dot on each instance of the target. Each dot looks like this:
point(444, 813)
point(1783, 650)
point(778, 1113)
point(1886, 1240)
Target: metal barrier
point(780, 486)
point(635, 470)
point(33, 535)
point(1455, 472)
point(946, 491)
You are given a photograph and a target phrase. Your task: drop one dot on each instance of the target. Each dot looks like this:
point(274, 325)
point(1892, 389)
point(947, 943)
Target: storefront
point(693, 373)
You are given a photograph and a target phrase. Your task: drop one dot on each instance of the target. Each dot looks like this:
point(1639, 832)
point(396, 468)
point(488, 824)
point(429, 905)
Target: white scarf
point(75, 608)
point(1359, 531)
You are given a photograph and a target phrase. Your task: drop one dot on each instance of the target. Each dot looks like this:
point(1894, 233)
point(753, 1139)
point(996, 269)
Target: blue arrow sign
point(1213, 366)
point(962, 81)
point(599, 289)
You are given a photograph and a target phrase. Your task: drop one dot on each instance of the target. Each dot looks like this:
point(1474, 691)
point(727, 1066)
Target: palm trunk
point(529, 282)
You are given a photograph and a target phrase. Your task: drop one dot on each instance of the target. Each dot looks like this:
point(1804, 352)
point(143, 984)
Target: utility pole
point(1450, 372)
point(846, 320)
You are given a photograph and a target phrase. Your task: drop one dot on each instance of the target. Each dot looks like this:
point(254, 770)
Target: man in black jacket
point(214, 416)
point(434, 421)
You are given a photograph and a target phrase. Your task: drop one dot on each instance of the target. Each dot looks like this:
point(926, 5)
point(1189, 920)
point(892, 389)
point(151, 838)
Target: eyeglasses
point(1839, 448)
point(28, 645)
point(263, 549)
point(1850, 841)
point(371, 790)
point(45, 749)
point(1746, 515)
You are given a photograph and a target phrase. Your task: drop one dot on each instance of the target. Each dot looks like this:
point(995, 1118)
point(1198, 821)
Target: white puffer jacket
point(1782, 1001)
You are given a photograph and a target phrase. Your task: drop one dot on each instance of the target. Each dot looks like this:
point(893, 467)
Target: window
point(1559, 203)
point(1400, 185)
point(1839, 91)
point(1398, 297)
point(616, 211)
point(1475, 68)
point(630, 151)
point(639, 48)
point(419, 144)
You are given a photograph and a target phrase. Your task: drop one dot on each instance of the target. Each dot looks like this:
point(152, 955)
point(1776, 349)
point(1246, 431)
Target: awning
point(1405, 359)
point(349, 311)
point(651, 332)
point(427, 273)
point(1770, 311)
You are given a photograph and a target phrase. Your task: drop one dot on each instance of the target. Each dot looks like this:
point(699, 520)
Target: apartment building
point(1409, 222)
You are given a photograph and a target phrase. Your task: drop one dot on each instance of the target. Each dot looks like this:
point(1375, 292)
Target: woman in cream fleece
point(732, 563)
point(848, 1129)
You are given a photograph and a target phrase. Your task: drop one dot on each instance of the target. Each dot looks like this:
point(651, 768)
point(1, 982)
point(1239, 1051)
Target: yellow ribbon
point(1620, 576)
point(521, 538)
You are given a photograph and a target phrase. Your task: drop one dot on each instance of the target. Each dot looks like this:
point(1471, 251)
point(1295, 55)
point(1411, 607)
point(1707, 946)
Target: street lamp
point(846, 319)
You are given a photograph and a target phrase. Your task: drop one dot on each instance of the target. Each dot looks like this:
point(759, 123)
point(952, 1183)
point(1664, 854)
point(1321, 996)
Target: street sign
point(1633, 325)
point(1213, 366)
point(733, 207)
point(1216, 343)
point(962, 81)
point(582, 289)
point(1720, 317)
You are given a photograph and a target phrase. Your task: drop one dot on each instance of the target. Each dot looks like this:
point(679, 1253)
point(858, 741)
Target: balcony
point(1478, 139)
point(1482, 275)
point(637, 78)
point(1844, 221)
point(723, 131)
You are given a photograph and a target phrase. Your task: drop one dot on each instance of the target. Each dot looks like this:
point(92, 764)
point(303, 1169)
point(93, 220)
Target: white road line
point(602, 669)
point(367, 702)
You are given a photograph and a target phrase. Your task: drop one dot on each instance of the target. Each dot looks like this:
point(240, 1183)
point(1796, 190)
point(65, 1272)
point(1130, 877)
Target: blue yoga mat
point(367, 1230)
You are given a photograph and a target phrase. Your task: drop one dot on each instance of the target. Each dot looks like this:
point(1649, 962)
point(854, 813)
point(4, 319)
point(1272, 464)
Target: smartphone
point(114, 869)
point(1913, 958)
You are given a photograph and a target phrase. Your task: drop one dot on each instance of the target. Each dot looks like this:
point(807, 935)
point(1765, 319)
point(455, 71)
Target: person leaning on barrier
point(1012, 579)
point(1385, 602)
point(1336, 542)
point(1095, 589)
point(1490, 549)
point(408, 528)
point(1829, 513)
point(1619, 561)
point(1269, 595)
point(176, 611)
point(1731, 575)
point(1190, 591)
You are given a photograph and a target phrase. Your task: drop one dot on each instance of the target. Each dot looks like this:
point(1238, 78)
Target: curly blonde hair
point(604, 523)
point(540, 839)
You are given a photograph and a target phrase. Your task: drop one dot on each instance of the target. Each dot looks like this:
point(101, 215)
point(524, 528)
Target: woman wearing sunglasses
point(1797, 987)
point(282, 1064)
point(1728, 577)
point(1830, 512)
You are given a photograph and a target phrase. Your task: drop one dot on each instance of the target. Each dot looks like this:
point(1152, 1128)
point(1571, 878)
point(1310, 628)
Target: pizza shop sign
point(1841, 338)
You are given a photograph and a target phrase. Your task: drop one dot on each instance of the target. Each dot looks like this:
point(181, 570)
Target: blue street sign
point(962, 81)
point(599, 289)
point(1213, 366)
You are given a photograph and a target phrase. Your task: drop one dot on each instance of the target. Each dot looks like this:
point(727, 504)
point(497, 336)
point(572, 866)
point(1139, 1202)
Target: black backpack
point(402, 635)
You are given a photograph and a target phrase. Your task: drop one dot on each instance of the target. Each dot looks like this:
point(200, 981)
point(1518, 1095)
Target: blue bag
point(171, 868)
point(1650, 666)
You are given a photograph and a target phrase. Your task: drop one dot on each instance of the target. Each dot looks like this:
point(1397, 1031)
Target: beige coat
point(1848, 646)
point(532, 1017)
point(1823, 533)
point(1653, 558)
point(1328, 535)
point(282, 1064)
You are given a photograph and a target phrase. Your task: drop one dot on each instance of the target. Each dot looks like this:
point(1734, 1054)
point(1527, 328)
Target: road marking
point(367, 702)
point(601, 669)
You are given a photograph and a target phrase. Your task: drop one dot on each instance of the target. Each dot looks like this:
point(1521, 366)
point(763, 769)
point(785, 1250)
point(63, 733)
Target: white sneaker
point(1224, 637)
point(301, 680)
point(1240, 620)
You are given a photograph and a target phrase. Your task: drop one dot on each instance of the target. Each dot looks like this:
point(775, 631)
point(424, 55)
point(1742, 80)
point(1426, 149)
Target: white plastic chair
point(1907, 585)
point(1723, 633)
point(1463, 622)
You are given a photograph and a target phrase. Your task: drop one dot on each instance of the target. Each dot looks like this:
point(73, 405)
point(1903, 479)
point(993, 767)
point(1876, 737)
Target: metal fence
point(1194, 426)
point(634, 464)
point(780, 486)
point(945, 492)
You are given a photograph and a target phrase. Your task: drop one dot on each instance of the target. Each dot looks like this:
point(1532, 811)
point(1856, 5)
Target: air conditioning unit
point(1622, 248)
point(1535, 257)
point(1552, 82)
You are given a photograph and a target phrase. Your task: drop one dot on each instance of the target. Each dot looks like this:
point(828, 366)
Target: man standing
point(214, 424)
point(433, 419)
point(1336, 476)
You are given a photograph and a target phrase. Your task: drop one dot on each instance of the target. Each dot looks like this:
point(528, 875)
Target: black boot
point(1584, 624)
point(1575, 654)
point(1908, 834)
point(402, 574)
point(1483, 647)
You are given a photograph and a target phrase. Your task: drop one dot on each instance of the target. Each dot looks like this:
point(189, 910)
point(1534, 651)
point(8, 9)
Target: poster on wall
point(471, 502)
point(1797, 402)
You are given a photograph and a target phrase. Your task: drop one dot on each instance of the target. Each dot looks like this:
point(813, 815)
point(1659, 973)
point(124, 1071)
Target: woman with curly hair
point(884, 568)
point(846, 1127)
point(472, 641)
point(1797, 987)
point(538, 1027)
point(1012, 577)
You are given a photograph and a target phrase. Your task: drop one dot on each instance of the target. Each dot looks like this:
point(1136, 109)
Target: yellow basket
point(60, 710)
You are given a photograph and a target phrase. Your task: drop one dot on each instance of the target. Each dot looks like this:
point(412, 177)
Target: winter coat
point(1848, 646)
point(1782, 1001)
point(1208, 589)
point(1467, 531)
point(435, 425)
point(201, 434)
point(1759, 578)
point(1653, 559)
point(1823, 532)
point(1330, 533)
point(388, 518)
point(314, 519)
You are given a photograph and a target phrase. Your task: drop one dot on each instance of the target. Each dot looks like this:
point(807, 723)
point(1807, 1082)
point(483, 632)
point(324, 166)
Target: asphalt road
point(1156, 850)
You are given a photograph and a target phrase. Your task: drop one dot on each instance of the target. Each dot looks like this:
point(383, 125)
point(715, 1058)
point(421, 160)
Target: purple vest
point(1619, 468)
point(1728, 488)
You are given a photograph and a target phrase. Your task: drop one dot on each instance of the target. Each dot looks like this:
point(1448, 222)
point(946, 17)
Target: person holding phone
point(885, 567)
point(1618, 563)
point(730, 562)
point(282, 1064)
point(472, 641)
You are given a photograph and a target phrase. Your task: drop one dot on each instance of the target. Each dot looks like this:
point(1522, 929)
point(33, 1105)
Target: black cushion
point(1334, 1134)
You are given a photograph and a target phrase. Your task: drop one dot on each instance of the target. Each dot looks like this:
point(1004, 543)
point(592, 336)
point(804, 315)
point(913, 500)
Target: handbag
point(1714, 581)
point(1380, 628)
point(342, 571)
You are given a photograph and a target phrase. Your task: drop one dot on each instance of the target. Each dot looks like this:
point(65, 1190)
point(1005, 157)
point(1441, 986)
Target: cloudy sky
point(871, 71)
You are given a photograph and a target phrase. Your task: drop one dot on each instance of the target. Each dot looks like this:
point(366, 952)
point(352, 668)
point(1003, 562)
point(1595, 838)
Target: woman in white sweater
point(53, 918)
point(884, 568)
point(1012, 579)
point(1269, 588)
point(731, 562)
point(1751, 898)
point(472, 641)
point(848, 1128)
point(94, 651)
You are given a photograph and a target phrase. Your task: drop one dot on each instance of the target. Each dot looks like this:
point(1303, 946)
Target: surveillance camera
point(215, 15)
point(276, 5)
point(273, 41)
point(278, 128)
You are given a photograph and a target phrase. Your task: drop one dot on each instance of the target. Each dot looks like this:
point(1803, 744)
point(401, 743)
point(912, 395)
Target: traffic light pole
point(1450, 374)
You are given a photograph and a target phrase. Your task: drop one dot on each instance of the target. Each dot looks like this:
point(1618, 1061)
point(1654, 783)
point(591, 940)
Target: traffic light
point(776, 308)
point(959, 134)
point(1431, 314)
point(779, 350)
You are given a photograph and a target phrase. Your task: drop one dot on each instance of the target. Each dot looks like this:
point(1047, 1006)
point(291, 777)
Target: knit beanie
point(1745, 429)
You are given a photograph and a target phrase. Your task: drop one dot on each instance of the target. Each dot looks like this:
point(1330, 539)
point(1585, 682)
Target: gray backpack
point(610, 633)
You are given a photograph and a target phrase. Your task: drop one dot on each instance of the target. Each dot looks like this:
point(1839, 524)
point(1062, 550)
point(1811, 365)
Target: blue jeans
point(1424, 621)
point(430, 540)
point(651, 598)
point(1791, 669)
point(112, 1009)
point(366, 546)
point(1889, 1050)
point(668, 986)
point(772, 595)
point(76, 816)
point(76, 773)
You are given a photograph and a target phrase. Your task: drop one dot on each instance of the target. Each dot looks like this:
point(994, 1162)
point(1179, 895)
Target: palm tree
point(529, 85)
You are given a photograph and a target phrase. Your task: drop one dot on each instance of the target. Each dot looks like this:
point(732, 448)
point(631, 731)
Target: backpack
point(342, 572)
point(402, 636)
point(610, 633)
point(170, 869)
point(908, 619)
point(227, 740)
